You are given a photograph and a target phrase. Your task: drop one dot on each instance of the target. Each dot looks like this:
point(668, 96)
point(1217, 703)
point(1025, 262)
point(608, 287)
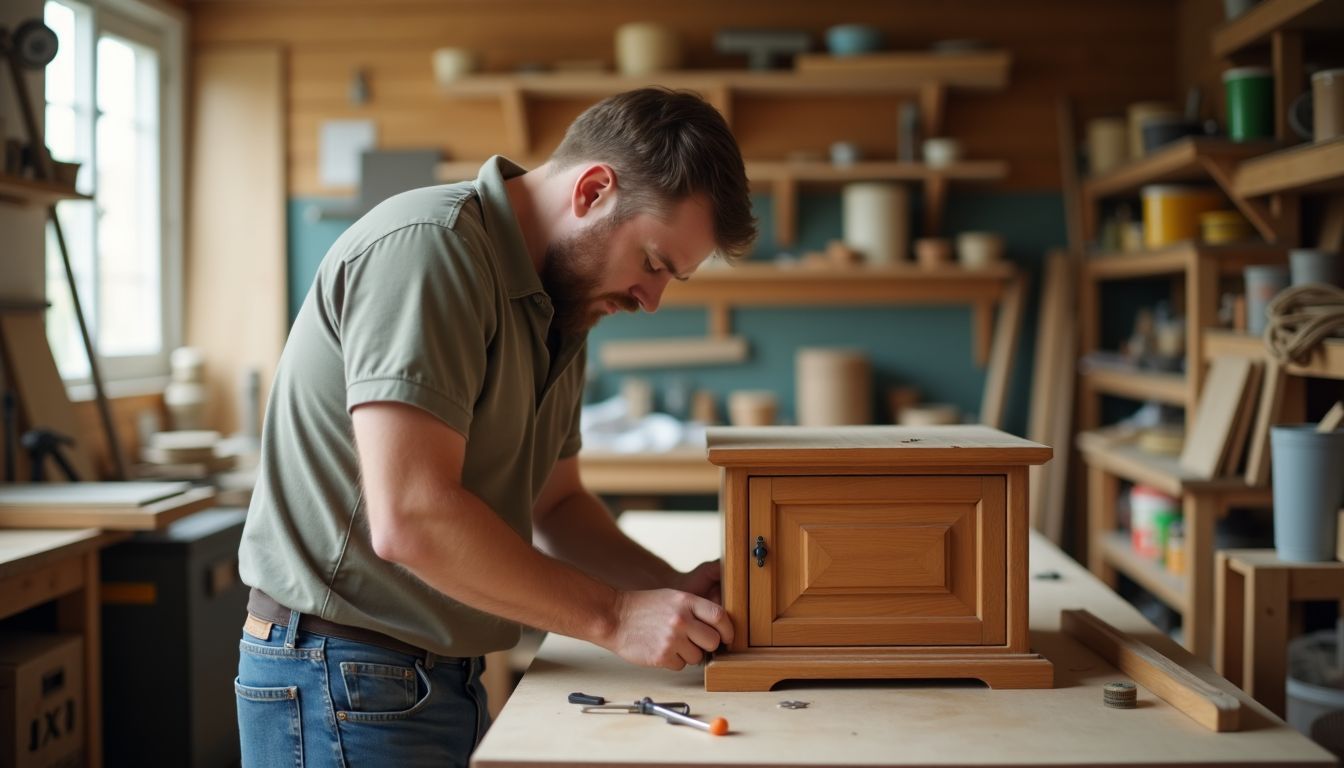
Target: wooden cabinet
point(875, 552)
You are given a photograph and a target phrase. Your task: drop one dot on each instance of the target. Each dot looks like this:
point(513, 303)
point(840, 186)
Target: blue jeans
point(306, 699)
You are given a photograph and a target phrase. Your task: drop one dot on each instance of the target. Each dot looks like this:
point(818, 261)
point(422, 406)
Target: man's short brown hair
point(666, 146)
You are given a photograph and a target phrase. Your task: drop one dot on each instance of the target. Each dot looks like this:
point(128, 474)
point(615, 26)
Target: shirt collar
point(520, 275)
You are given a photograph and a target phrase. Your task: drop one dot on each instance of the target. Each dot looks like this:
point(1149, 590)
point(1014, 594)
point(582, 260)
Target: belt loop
point(293, 628)
point(430, 658)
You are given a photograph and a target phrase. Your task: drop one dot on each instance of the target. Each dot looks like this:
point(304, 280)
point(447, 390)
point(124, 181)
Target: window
point(113, 104)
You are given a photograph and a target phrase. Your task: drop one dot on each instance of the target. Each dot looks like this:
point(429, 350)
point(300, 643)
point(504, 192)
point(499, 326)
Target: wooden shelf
point(1167, 388)
point(1151, 575)
point(1179, 258)
point(1304, 168)
point(1255, 27)
point(21, 191)
point(758, 284)
point(1326, 362)
point(1183, 160)
point(821, 173)
point(1116, 452)
point(818, 75)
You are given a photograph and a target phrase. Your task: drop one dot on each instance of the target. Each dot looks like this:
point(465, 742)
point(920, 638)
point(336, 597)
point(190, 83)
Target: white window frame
point(160, 26)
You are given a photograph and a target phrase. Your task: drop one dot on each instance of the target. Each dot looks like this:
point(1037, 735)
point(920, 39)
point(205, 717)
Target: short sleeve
point(417, 315)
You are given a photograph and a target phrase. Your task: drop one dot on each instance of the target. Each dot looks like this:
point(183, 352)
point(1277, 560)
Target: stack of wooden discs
point(1120, 695)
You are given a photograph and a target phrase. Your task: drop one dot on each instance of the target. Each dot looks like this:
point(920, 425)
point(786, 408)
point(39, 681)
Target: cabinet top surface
point(871, 446)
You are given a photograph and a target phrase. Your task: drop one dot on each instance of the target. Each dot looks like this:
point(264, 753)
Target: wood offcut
point(1210, 707)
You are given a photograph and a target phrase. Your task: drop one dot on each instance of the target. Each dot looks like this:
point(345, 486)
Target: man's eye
point(648, 265)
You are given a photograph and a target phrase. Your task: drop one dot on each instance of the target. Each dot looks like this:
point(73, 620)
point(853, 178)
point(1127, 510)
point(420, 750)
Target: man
point(423, 428)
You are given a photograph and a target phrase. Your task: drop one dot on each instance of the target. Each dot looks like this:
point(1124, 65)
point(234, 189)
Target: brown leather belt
point(263, 606)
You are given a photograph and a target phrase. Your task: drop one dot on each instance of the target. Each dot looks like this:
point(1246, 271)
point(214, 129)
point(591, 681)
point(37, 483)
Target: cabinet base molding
point(762, 671)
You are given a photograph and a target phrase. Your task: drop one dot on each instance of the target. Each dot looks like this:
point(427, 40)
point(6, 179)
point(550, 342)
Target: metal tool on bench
point(674, 712)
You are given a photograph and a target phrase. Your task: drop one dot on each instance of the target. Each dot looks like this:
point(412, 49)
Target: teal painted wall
point(928, 347)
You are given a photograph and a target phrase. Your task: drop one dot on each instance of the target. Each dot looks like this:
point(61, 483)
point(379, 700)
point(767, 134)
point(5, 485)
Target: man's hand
point(704, 580)
point(667, 628)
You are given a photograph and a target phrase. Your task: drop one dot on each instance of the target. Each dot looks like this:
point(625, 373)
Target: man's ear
point(594, 191)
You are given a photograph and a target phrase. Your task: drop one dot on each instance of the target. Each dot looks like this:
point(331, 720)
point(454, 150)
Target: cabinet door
point(892, 560)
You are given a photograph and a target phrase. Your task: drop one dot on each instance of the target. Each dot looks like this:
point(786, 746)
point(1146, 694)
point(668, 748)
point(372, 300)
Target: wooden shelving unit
point(1245, 172)
point(762, 284)
point(1190, 159)
point(1111, 457)
point(21, 191)
point(927, 77)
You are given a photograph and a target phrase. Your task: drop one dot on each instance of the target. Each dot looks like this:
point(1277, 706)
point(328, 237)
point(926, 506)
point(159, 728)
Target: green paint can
point(1249, 95)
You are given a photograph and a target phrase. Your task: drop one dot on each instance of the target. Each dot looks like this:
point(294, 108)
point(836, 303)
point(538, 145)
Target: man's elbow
point(396, 537)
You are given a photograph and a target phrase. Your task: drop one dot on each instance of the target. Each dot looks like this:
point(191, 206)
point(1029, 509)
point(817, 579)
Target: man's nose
point(650, 294)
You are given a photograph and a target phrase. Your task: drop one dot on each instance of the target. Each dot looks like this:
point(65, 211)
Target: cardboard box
point(41, 700)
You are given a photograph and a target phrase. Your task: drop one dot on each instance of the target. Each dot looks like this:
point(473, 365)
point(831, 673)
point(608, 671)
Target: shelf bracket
point(932, 104)
point(784, 190)
point(720, 320)
point(721, 98)
point(1265, 222)
point(935, 199)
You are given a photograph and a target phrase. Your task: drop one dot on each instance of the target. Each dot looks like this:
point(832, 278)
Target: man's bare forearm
point(462, 548)
point(580, 531)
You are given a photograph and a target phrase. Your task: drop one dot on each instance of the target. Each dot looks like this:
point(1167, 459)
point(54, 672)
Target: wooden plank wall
point(1105, 55)
point(235, 275)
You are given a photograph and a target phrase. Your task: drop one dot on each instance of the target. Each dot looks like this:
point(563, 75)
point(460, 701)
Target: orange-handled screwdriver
point(718, 726)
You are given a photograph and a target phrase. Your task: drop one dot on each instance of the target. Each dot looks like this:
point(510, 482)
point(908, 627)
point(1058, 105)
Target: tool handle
point(584, 698)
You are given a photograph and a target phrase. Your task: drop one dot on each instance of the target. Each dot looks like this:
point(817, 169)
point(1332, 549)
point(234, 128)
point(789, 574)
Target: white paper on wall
point(340, 144)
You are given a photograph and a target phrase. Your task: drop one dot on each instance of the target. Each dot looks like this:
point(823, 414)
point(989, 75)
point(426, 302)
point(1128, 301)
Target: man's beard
point(571, 276)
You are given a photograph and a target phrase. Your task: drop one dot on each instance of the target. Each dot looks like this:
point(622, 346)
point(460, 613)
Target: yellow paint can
point(1171, 212)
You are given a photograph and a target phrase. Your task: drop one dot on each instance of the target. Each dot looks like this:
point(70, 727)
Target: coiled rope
point(1300, 318)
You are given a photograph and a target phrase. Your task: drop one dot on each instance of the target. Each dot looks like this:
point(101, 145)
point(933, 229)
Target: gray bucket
point(1316, 688)
point(1308, 491)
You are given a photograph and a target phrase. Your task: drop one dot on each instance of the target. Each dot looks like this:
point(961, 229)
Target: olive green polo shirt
point(430, 300)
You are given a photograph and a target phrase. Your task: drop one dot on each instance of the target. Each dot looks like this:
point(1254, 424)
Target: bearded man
point(419, 497)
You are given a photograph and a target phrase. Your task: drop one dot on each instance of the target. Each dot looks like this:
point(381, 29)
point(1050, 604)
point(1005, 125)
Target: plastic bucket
point(1308, 489)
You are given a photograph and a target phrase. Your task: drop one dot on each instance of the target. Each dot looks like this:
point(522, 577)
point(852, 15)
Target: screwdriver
point(718, 726)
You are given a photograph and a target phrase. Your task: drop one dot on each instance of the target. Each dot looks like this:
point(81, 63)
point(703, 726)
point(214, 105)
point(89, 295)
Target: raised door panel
point(901, 560)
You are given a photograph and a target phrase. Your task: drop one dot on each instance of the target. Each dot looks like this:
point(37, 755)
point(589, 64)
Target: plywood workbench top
point(884, 723)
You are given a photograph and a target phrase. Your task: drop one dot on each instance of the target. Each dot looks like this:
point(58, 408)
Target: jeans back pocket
point(270, 725)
